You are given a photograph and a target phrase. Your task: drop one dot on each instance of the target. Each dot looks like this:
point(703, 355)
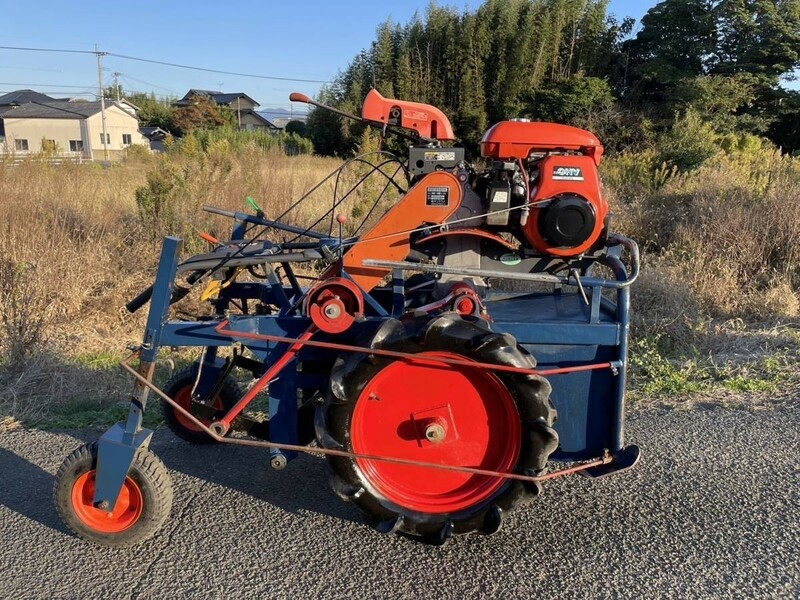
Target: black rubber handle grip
point(177, 294)
point(140, 300)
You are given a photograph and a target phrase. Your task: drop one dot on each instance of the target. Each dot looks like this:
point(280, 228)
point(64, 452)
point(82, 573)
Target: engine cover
point(519, 139)
point(572, 213)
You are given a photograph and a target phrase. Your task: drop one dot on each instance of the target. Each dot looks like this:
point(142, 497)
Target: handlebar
point(178, 293)
point(255, 220)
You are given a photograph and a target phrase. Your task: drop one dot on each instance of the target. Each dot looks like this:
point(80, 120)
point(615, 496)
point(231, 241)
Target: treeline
point(720, 63)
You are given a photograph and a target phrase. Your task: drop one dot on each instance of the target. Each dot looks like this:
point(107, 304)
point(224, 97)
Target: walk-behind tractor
point(445, 358)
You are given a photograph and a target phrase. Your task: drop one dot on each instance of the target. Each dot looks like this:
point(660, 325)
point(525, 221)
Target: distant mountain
point(281, 116)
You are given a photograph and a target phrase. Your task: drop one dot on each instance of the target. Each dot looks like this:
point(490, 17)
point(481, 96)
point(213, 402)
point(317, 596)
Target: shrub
point(689, 143)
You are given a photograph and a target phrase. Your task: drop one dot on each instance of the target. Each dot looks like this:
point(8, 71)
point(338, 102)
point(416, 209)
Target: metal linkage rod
point(604, 460)
point(415, 358)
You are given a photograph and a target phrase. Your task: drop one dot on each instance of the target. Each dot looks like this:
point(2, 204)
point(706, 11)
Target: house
point(18, 97)
point(239, 102)
point(31, 124)
point(156, 135)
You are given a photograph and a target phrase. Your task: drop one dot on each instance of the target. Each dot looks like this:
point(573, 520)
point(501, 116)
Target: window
point(76, 145)
point(108, 138)
point(126, 139)
point(21, 145)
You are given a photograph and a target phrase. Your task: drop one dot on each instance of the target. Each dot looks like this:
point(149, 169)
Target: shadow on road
point(302, 486)
point(28, 490)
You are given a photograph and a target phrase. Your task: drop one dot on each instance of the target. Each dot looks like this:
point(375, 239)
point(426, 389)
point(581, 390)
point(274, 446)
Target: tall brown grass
point(78, 241)
point(75, 246)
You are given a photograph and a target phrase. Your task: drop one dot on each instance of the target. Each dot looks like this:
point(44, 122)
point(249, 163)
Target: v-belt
point(305, 340)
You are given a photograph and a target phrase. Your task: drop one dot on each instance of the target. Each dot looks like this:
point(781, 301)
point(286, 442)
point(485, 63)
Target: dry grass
point(721, 270)
point(74, 247)
point(719, 285)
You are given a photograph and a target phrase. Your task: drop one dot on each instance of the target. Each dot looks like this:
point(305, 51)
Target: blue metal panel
point(561, 330)
point(584, 399)
point(115, 454)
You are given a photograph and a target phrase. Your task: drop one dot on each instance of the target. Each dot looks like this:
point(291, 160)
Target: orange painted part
point(514, 139)
point(341, 294)
point(209, 238)
point(428, 121)
point(389, 239)
point(126, 512)
point(548, 187)
point(469, 231)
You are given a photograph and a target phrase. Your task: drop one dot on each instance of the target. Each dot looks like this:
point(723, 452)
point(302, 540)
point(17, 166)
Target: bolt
point(104, 505)
point(332, 311)
point(278, 462)
point(435, 433)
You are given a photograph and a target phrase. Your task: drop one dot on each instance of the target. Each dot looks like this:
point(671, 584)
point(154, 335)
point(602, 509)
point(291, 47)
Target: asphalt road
point(713, 511)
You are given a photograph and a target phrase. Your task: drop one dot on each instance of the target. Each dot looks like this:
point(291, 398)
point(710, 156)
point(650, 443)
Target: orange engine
point(559, 164)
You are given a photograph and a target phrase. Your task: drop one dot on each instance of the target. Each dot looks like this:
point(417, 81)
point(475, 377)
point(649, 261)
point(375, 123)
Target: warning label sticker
point(440, 156)
point(437, 196)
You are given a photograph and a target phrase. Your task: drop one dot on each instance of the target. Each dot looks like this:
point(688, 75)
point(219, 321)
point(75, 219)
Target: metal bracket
point(114, 460)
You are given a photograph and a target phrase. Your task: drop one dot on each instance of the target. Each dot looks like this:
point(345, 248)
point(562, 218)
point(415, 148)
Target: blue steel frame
point(560, 329)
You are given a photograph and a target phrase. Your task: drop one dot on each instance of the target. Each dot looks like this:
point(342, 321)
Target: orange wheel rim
point(126, 512)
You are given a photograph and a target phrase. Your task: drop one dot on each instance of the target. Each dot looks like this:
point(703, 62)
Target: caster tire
point(142, 508)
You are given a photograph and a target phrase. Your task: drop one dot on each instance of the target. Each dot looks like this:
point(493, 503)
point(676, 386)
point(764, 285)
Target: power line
point(178, 66)
point(164, 63)
point(126, 76)
point(47, 50)
point(52, 85)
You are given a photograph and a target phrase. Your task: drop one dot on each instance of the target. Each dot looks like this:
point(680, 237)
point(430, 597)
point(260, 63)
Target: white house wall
point(62, 131)
point(118, 122)
point(35, 130)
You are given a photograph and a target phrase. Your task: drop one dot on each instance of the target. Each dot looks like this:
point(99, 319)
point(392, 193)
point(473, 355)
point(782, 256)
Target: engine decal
point(567, 174)
point(437, 196)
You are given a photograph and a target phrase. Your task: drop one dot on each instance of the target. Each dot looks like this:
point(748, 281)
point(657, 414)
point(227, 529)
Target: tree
point(298, 127)
point(573, 101)
point(154, 112)
point(201, 113)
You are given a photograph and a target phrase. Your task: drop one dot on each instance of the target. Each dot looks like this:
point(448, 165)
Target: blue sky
point(312, 39)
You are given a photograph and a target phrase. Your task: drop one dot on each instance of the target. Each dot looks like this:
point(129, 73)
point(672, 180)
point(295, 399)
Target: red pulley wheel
point(452, 415)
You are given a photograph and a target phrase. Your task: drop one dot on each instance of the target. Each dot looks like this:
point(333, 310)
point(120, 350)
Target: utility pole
point(100, 56)
point(116, 83)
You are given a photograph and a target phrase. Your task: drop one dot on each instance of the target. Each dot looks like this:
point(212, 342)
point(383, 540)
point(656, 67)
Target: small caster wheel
point(142, 508)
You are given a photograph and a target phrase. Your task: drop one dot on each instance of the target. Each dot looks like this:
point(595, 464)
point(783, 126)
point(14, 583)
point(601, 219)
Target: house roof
point(55, 109)
point(261, 118)
point(22, 97)
point(152, 133)
point(217, 97)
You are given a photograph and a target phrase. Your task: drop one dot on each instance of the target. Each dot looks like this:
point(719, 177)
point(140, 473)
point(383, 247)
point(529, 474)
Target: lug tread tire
point(472, 338)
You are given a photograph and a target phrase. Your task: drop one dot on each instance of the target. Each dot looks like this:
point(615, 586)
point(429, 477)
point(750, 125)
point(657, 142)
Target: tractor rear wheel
point(179, 388)
point(142, 508)
point(445, 414)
